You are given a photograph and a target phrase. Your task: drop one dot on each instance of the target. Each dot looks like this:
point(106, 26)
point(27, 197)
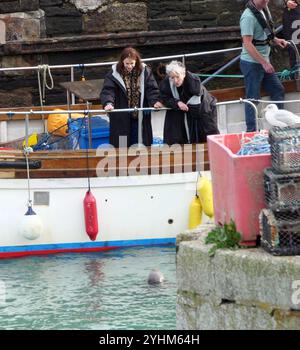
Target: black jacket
point(114, 92)
point(288, 17)
point(201, 117)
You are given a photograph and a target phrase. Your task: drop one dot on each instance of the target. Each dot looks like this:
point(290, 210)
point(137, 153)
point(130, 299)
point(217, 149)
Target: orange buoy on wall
point(90, 215)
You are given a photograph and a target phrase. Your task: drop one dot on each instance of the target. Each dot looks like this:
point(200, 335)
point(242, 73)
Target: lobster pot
point(280, 232)
point(285, 149)
point(282, 191)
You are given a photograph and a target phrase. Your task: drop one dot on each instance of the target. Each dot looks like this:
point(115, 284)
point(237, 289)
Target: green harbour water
point(89, 291)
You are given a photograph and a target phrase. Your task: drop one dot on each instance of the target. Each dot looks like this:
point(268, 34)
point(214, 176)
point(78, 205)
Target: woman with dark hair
point(193, 113)
point(129, 84)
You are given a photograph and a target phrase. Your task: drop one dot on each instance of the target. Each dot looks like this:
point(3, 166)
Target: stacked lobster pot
point(280, 223)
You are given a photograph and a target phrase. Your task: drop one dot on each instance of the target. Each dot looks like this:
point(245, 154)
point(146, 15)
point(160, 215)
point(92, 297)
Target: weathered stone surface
point(245, 274)
point(2, 32)
point(167, 8)
point(241, 289)
point(24, 26)
point(55, 11)
point(17, 98)
point(194, 312)
point(45, 3)
point(93, 23)
point(193, 235)
point(60, 21)
point(89, 5)
point(18, 5)
point(124, 17)
point(165, 23)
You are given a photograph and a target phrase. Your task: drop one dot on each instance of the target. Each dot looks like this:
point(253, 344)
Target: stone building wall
point(53, 32)
point(31, 19)
point(244, 289)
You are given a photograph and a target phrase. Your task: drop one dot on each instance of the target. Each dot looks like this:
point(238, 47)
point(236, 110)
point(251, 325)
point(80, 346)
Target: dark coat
point(201, 118)
point(114, 92)
point(288, 17)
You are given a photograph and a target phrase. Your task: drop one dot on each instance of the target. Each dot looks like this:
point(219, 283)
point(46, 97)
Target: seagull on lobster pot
point(280, 117)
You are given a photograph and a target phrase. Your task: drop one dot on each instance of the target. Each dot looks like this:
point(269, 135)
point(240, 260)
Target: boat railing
point(45, 69)
point(13, 112)
point(86, 112)
point(103, 64)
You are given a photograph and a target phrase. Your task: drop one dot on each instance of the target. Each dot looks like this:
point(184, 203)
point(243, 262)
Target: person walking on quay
point(193, 113)
point(129, 84)
point(258, 35)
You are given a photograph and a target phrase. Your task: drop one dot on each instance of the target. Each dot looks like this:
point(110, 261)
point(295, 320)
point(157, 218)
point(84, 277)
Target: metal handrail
point(11, 113)
point(101, 64)
point(86, 112)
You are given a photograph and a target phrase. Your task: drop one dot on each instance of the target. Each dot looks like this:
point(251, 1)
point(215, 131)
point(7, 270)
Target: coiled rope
point(258, 144)
point(42, 72)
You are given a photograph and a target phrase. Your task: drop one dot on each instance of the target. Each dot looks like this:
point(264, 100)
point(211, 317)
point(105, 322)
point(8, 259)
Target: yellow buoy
point(204, 190)
point(57, 123)
point(32, 140)
point(195, 213)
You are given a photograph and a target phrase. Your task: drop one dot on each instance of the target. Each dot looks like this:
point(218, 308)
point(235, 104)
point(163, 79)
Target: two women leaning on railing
point(130, 84)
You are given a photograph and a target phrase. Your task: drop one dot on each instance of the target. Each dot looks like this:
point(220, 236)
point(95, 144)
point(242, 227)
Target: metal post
point(140, 127)
point(26, 129)
point(72, 79)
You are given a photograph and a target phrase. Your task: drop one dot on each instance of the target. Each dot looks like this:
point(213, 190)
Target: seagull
point(280, 117)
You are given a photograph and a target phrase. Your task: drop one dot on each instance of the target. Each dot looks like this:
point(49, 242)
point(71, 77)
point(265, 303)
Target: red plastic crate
point(238, 187)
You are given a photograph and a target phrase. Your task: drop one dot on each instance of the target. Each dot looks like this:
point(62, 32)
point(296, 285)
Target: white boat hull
point(133, 210)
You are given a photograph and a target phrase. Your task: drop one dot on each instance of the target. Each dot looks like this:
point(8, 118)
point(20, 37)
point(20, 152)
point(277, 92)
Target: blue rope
point(257, 145)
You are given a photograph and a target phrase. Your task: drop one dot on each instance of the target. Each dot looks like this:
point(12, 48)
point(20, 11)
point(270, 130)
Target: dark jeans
point(255, 77)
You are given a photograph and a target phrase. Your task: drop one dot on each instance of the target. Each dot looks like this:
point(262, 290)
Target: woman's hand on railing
point(109, 107)
point(158, 105)
point(182, 106)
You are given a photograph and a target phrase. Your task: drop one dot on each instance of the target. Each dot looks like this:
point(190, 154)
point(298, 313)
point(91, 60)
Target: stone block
point(62, 21)
point(17, 98)
point(244, 275)
point(93, 23)
point(165, 23)
point(89, 5)
point(24, 26)
point(47, 3)
point(194, 312)
point(18, 6)
point(168, 8)
point(124, 17)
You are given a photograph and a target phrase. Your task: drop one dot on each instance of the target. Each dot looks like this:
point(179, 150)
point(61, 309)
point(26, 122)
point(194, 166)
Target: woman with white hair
point(193, 113)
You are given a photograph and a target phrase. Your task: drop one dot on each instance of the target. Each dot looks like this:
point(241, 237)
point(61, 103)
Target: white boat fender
point(31, 226)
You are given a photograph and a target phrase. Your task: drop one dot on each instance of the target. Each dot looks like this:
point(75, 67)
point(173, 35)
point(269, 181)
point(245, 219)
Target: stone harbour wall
point(55, 32)
point(32, 19)
point(234, 290)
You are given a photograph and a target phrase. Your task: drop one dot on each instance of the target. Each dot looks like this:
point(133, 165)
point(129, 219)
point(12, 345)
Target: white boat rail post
point(241, 100)
point(26, 129)
point(255, 110)
point(72, 79)
point(140, 126)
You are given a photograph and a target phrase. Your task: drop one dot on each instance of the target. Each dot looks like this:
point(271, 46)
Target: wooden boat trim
point(236, 93)
point(146, 161)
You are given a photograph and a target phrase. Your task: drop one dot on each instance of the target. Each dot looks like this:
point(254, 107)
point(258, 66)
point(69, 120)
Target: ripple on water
point(106, 290)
